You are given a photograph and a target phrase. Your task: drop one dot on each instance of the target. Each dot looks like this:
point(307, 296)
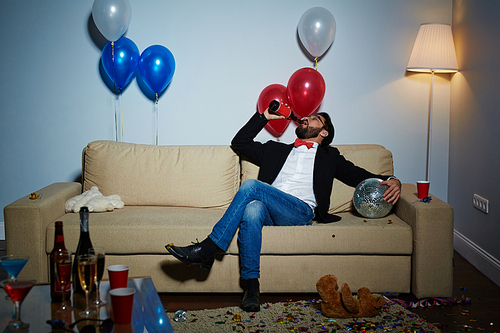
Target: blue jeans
point(255, 205)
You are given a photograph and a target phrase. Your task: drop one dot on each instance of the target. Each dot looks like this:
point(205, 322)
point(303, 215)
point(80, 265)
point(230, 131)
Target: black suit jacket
point(271, 157)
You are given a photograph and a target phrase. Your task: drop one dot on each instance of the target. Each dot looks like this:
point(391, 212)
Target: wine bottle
point(56, 290)
point(84, 244)
point(283, 110)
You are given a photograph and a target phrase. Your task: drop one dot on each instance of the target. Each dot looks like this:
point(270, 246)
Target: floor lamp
point(433, 52)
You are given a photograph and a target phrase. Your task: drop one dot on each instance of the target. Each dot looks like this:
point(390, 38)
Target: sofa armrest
point(432, 258)
point(26, 223)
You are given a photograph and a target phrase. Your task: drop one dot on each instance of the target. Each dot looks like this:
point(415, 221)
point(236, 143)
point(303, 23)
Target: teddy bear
point(95, 201)
point(341, 304)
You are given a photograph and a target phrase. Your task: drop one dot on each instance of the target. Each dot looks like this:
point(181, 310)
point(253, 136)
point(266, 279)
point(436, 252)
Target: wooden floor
point(481, 315)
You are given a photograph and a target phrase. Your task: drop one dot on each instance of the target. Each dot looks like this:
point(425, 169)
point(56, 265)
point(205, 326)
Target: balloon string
point(118, 117)
point(316, 60)
point(156, 110)
point(117, 130)
point(121, 114)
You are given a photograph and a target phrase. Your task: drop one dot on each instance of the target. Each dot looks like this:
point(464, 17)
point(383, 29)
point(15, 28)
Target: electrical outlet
point(481, 203)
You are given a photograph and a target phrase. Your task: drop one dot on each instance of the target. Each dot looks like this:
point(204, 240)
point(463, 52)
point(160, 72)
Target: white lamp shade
point(433, 50)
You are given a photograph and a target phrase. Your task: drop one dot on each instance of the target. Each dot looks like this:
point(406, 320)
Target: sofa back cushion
point(374, 158)
point(186, 176)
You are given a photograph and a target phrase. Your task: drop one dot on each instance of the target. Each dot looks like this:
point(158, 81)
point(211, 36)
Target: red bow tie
point(299, 142)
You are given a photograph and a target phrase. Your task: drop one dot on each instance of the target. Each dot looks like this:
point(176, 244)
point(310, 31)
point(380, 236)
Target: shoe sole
point(204, 266)
point(251, 309)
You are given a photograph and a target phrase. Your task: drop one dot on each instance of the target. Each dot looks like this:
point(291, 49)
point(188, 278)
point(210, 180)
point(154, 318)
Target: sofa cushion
point(374, 158)
point(377, 160)
point(352, 235)
point(146, 229)
point(140, 229)
point(183, 176)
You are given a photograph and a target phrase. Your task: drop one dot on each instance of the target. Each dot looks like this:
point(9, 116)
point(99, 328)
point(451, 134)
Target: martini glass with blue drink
point(14, 264)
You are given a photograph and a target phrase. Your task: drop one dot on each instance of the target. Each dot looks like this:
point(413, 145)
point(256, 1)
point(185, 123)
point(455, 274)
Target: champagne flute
point(63, 274)
point(100, 254)
point(86, 274)
point(17, 291)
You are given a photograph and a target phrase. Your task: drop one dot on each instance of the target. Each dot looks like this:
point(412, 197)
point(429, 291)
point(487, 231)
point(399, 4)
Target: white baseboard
point(2, 231)
point(482, 260)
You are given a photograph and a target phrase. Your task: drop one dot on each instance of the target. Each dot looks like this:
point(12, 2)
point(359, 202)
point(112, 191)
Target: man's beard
point(307, 132)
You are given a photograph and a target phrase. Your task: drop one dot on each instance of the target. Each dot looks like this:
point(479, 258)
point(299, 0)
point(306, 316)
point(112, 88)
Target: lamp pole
point(429, 133)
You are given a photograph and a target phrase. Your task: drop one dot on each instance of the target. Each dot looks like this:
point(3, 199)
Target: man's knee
point(254, 211)
point(248, 184)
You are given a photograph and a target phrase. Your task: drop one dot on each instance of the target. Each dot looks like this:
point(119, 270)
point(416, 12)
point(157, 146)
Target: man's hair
point(329, 128)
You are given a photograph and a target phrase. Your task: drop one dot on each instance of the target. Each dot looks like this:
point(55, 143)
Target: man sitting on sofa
point(293, 187)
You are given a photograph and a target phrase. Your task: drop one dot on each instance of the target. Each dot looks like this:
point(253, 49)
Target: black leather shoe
point(250, 301)
point(192, 255)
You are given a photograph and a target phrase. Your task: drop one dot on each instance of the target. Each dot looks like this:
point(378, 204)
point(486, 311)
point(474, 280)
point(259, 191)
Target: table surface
point(148, 313)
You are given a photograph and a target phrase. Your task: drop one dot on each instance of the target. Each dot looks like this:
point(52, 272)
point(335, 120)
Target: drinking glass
point(14, 264)
point(17, 291)
point(100, 254)
point(63, 275)
point(86, 274)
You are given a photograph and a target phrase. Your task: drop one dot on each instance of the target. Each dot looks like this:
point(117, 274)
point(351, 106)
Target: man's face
point(310, 128)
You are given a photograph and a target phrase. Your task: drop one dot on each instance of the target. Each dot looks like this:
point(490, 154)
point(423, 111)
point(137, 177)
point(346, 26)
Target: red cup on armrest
point(423, 188)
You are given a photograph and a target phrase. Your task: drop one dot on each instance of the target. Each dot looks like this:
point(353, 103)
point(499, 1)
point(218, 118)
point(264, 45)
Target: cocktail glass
point(86, 273)
point(100, 255)
point(14, 264)
point(63, 275)
point(17, 291)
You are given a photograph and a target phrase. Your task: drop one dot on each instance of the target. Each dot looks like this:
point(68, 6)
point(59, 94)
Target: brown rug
point(296, 316)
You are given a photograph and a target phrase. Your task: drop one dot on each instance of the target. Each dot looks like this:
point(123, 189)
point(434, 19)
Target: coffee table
point(148, 313)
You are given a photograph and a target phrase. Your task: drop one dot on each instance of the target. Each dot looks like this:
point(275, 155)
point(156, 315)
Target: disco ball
point(368, 200)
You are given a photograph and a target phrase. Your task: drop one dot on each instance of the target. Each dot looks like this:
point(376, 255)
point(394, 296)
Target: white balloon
point(316, 30)
point(112, 17)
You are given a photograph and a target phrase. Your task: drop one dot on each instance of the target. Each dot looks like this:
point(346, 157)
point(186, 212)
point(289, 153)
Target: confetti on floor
point(298, 316)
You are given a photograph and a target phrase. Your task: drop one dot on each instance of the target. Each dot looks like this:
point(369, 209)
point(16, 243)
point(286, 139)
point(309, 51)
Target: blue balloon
point(126, 60)
point(157, 66)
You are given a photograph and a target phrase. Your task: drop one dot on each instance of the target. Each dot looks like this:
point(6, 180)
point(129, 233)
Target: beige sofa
point(175, 194)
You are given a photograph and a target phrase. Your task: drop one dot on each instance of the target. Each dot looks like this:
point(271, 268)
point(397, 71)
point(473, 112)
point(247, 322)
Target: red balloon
point(305, 90)
point(274, 92)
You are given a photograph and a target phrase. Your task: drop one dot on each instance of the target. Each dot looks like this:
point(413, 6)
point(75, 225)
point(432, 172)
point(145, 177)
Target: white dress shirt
point(296, 175)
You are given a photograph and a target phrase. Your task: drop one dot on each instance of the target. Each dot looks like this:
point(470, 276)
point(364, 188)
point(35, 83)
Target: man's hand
point(391, 195)
point(272, 116)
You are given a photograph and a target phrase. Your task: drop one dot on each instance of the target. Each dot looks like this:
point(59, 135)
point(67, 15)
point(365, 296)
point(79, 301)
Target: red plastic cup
point(123, 328)
point(122, 302)
point(118, 276)
point(423, 188)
